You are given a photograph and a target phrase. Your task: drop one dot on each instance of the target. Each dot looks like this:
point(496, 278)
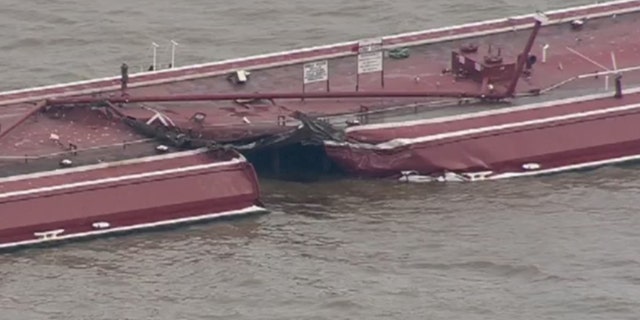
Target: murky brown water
point(558, 247)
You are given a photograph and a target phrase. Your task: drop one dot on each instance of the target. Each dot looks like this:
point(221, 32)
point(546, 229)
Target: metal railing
point(28, 158)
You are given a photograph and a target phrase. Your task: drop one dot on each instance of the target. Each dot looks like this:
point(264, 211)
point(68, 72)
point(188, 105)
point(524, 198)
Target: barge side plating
point(148, 192)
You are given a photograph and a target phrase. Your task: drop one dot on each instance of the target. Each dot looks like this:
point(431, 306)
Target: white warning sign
point(369, 45)
point(370, 55)
point(316, 71)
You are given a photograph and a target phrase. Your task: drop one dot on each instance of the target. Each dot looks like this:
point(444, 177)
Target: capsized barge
point(289, 111)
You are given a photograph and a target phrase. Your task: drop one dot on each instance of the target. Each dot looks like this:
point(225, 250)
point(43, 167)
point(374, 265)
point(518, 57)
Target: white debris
point(416, 177)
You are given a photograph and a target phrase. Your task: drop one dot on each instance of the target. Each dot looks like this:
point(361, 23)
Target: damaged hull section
point(520, 141)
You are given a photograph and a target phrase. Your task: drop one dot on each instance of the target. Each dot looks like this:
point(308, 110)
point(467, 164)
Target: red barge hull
point(534, 139)
point(90, 120)
point(610, 28)
point(142, 193)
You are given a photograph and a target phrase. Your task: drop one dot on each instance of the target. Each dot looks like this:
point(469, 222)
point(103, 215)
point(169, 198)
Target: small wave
point(314, 215)
point(502, 270)
point(609, 305)
point(622, 263)
point(22, 43)
point(631, 279)
point(60, 20)
point(251, 283)
point(343, 304)
point(65, 41)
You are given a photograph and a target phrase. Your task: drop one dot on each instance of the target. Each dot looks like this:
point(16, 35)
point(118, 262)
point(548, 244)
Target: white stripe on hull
point(401, 142)
point(573, 167)
point(490, 175)
point(532, 106)
point(245, 211)
point(113, 164)
point(115, 179)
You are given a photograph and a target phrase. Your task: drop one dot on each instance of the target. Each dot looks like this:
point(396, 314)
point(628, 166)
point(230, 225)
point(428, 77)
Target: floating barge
point(526, 140)
point(524, 95)
point(124, 196)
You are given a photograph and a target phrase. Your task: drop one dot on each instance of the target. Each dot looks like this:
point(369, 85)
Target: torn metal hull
point(124, 196)
point(527, 140)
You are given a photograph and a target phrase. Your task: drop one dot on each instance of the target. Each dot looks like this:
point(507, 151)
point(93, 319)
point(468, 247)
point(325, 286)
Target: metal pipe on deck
point(37, 107)
point(274, 96)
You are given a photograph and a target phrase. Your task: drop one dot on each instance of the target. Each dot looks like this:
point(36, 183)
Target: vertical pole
point(124, 73)
point(358, 69)
point(173, 53)
point(328, 76)
point(382, 71)
point(155, 47)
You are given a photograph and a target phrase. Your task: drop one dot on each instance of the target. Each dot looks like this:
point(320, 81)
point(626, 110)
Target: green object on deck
point(399, 53)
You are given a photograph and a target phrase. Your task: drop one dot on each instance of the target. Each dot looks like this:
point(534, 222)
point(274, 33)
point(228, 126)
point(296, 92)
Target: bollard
point(618, 86)
point(124, 73)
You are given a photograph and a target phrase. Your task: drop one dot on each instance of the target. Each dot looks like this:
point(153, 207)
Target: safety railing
point(74, 151)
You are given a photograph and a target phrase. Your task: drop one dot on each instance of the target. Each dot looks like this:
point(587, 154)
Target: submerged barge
point(523, 95)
